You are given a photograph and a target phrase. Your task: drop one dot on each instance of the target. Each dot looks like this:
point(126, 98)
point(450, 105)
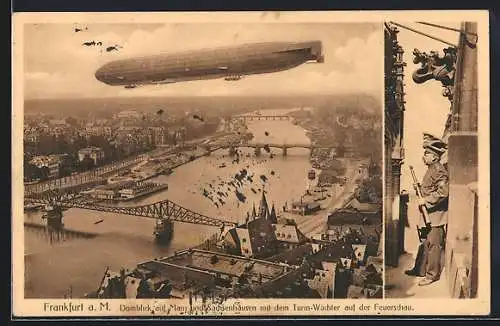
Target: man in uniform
point(434, 186)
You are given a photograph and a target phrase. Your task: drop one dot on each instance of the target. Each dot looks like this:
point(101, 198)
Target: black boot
point(413, 272)
point(420, 261)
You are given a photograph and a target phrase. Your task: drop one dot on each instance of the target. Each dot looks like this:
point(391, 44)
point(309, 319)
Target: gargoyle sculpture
point(435, 67)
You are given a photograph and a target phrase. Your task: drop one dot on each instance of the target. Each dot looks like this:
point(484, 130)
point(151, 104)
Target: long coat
point(435, 192)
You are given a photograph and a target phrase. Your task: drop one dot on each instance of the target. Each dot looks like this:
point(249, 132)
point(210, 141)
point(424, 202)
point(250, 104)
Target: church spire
point(254, 212)
point(272, 216)
point(263, 208)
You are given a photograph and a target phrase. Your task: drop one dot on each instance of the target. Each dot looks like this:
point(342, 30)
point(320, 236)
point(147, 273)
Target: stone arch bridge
point(259, 146)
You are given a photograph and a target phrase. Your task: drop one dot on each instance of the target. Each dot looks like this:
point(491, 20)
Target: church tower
point(263, 208)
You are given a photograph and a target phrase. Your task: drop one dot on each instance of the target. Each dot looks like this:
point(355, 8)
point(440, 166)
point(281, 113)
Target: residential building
point(52, 162)
point(255, 239)
point(305, 207)
point(289, 235)
point(95, 153)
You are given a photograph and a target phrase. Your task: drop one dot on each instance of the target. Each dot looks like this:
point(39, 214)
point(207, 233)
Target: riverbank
point(336, 179)
point(166, 163)
point(331, 171)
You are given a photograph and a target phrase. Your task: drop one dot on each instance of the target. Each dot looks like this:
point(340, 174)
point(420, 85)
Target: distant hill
point(102, 107)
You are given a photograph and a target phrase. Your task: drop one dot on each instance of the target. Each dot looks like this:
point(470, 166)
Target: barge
point(126, 191)
point(140, 191)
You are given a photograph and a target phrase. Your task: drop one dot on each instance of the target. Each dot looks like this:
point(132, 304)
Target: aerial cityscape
point(241, 195)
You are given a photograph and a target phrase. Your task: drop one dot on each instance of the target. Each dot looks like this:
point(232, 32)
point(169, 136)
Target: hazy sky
point(57, 65)
point(426, 108)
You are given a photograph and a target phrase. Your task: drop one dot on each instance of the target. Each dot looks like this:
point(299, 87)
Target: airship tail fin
point(290, 51)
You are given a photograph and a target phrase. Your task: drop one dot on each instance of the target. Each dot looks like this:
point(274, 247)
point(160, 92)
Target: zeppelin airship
point(230, 63)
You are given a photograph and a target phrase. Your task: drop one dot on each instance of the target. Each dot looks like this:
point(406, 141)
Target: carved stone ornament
point(433, 66)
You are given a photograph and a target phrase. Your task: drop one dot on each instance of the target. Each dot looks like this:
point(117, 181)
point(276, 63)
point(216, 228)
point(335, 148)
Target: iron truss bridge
point(164, 209)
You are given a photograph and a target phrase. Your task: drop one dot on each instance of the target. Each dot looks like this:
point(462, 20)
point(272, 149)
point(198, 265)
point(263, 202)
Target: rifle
point(424, 230)
point(102, 281)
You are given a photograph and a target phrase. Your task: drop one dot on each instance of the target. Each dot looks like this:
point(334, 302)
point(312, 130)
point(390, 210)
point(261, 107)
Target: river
point(124, 241)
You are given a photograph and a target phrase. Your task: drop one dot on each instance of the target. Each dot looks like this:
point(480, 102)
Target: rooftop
point(288, 233)
point(368, 207)
point(354, 217)
point(90, 149)
point(44, 159)
point(227, 264)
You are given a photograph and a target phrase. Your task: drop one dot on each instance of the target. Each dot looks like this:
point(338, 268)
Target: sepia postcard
point(250, 164)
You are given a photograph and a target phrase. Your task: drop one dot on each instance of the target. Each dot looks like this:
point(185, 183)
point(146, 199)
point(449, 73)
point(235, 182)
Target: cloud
point(39, 75)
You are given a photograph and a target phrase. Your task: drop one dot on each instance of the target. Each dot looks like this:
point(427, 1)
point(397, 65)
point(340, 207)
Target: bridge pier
point(163, 230)
point(285, 151)
point(258, 151)
point(54, 219)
